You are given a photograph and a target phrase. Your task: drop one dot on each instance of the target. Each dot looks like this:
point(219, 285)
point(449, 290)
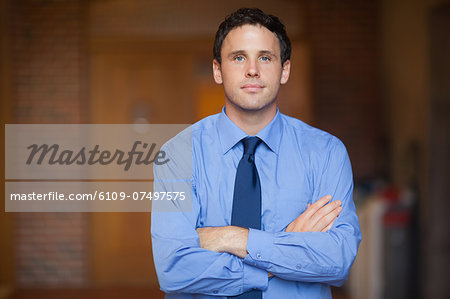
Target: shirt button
point(215, 291)
point(298, 267)
point(258, 256)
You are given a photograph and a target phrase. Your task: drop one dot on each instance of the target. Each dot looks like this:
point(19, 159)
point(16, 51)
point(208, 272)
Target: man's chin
point(252, 106)
point(255, 108)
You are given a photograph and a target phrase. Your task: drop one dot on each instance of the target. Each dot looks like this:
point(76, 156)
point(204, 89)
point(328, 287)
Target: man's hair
point(252, 16)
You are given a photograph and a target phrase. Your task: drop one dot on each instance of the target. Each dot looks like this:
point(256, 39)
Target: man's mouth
point(252, 87)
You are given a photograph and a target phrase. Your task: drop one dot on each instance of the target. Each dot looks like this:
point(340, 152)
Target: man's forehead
point(249, 36)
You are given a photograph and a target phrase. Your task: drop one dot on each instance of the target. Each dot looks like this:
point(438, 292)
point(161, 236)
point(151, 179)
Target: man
point(251, 158)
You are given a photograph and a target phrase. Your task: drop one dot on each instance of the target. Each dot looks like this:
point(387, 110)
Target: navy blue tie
point(247, 197)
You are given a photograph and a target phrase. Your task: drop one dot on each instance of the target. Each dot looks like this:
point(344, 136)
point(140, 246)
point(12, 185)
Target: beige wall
point(405, 80)
point(405, 76)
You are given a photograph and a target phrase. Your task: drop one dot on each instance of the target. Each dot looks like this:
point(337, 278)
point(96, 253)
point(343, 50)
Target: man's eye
point(265, 58)
point(239, 58)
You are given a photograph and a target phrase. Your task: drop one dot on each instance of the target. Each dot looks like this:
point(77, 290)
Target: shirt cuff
point(255, 278)
point(259, 248)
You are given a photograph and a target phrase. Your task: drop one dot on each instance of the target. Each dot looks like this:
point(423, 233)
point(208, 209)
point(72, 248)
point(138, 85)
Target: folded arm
point(318, 217)
point(182, 265)
point(315, 247)
point(302, 252)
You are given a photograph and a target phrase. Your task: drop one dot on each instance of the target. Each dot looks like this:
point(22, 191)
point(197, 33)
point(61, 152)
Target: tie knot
point(250, 144)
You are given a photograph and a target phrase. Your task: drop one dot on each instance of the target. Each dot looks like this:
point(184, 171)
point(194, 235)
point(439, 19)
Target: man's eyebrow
point(243, 52)
point(267, 52)
point(237, 52)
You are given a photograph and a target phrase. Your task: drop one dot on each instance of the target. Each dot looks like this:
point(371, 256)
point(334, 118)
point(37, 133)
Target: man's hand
point(231, 239)
point(318, 217)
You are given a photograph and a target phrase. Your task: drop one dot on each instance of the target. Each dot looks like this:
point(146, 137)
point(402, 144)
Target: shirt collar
point(230, 133)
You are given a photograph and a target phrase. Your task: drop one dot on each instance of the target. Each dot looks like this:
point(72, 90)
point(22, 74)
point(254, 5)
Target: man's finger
point(304, 221)
point(290, 227)
point(312, 208)
point(326, 220)
point(328, 227)
point(321, 202)
point(325, 210)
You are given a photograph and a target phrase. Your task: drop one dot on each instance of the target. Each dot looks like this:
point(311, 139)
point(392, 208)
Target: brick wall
point(45, 39)
point(46, 51)
point(344, 38)
point(51, 249)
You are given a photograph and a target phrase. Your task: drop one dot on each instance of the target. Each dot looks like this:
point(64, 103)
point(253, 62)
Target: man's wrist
point(231, 239)
point(235, 241)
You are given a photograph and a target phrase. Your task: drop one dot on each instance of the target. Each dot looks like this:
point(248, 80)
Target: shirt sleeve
point(181, 264)
point(314, 256)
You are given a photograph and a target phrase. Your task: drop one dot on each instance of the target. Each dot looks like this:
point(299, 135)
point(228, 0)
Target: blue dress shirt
point(297, 165)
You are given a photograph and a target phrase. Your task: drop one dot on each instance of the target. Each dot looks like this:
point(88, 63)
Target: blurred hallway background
point(374, 73)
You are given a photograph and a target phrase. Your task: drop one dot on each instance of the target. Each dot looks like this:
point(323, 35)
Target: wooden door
point(125, 88)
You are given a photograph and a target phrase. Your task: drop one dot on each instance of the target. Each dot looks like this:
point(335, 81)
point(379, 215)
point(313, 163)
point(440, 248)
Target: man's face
point(251, 70)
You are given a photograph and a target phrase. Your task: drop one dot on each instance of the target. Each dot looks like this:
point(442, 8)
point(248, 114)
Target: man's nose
point(252, 69)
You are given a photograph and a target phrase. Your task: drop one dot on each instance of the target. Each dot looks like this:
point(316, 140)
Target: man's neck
point(251, 122)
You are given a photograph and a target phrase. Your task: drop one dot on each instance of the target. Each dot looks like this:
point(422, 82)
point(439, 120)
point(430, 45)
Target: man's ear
point(217, 73)
point(285, 72)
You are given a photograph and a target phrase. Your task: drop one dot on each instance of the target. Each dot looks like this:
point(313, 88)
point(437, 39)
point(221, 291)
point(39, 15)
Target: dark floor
point(100, 293)
point(107, 293)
